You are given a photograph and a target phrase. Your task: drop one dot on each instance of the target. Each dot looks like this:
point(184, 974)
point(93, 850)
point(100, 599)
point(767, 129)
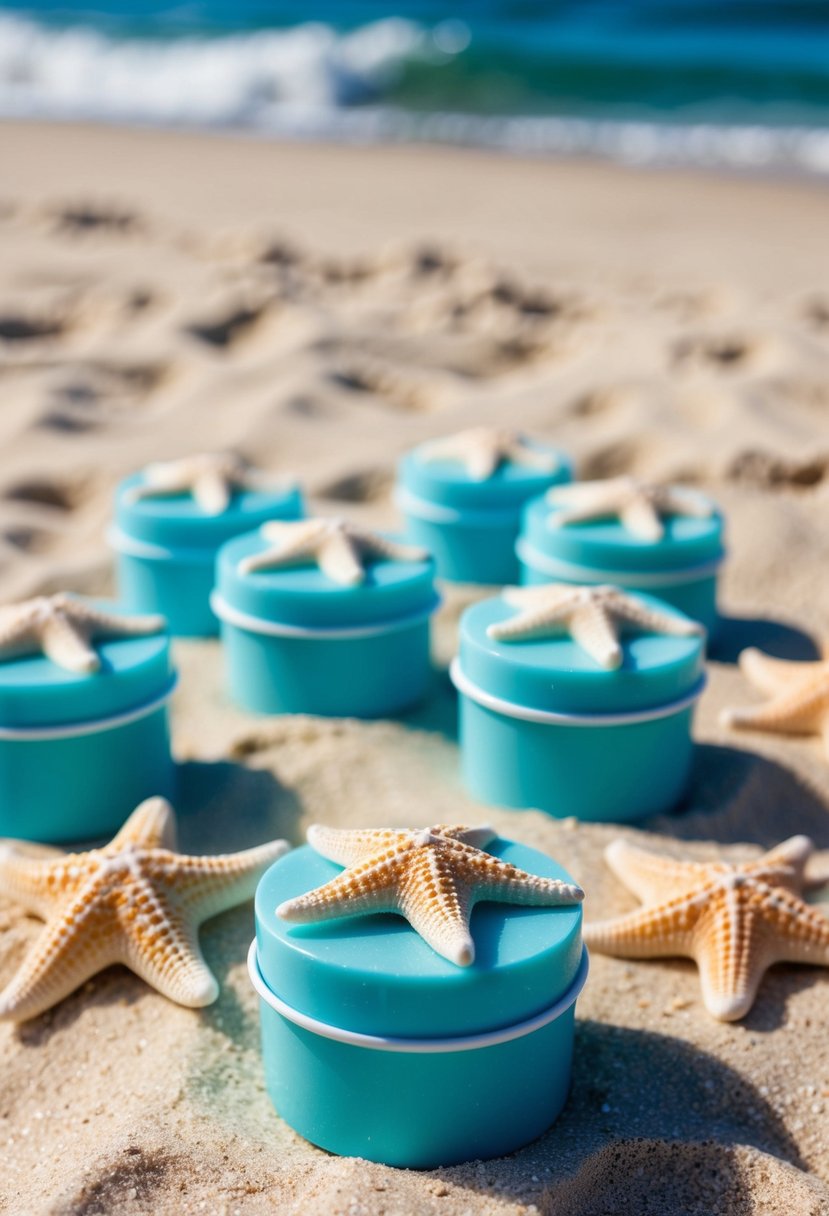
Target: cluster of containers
point(542, 725)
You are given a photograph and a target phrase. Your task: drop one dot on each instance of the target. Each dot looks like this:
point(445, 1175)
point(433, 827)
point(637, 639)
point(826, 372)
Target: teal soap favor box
point(665, 541)
point(84, 733)
point(324, 617)
point(461, 497)
point(376, 1046)
point(577, 701)
point(170, 521)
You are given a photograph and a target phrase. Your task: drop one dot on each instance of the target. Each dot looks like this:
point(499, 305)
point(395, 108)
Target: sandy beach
point(322, 309)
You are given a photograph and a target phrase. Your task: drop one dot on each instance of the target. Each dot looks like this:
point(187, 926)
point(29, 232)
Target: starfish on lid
point(63, 627)
point(210, 477)
point(483, 449)
point(339, 549)
point(734, 921)
point(135, 901)
point(798, 696)
point(433, 877)
point(593, 616)
point(639, 507)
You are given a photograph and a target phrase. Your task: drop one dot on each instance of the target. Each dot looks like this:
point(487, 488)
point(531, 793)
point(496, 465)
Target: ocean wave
point(311, 82)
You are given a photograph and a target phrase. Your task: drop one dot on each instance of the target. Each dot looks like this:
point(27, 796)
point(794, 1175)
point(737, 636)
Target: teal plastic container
point(543, 726)
point(680, 569)
point(469, 525)
point(79, 752)
point(166, 549)
point(375, 1046)
point(295, 641)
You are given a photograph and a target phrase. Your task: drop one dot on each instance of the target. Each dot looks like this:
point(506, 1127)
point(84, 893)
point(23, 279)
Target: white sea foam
point(310, 82)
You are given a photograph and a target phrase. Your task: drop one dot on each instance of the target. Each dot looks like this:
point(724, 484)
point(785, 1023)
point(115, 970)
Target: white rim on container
point(557, 567)
point(70, 730)
point(437, 513)
point(131, 546)
point(374, 1042)
point(548, 716)
point(278, 629)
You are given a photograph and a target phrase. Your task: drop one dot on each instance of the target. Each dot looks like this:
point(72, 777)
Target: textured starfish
point(734, 921)
point(210, 477)
point(593, 616)
point(433, 877)
point(483, 449)
point(639, 507)
point(798, 692)
point(339, 549)
point(64, 627)
point(135, 901)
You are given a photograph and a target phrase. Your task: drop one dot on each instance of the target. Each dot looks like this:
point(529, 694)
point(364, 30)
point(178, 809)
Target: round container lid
point(447, 482)
point(304, 597)
point(606, 545)
point(176, 521)
point(35, 692)
point(557, 675)
point(375, 975)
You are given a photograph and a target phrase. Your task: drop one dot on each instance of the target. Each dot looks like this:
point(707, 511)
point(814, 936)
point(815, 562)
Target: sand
point(322, 310)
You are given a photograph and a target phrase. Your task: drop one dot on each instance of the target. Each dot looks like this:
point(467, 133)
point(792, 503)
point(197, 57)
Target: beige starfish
point(798, 692)
point(734, 921)
point(433, 877)
point(135, 901)
point(339, 549)
point(639, 507)
point(210, 477)
point(63, 627)
point(593, 616)
point(482, 449)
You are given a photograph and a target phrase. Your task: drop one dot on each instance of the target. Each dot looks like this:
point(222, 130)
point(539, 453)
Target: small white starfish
point(210, 477)
point(734, 921)
point(593, 616)
point(433, 877)
point(798, 696)
point(63, 627)
point(483, 449)
point(135, 901)
point(638, 506)
point(339, 549)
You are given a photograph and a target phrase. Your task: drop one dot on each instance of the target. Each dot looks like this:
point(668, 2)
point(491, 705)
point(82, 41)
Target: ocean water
point(736, 83)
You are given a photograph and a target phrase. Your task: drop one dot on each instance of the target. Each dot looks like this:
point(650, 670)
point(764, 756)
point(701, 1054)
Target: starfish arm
point(785, 865)
point(169, 958)
point(731, 965)
point(74, 945)
point(38, 883)
point(109, 624)
point(482, 459)
point(663, 931)
point(800, 931)
point(650, 620)
point(641, 518)
point(206, 886)
point(339, 558)
point(680, 500)
point(345, 846)
point(533, 623)
point(578, 515)
point(773, 676)
point(651, 877)
point(293, 543)
point(594, 630)
point(16, 632)
point(799, 711)
point(370, 887)
point(502, 882)
point(391, 550)
point(438, 907)
point(68, 646)
point(160, 480)
point(211, 490)
point(152, 825)
point(478, 837)
point(518, 451)
point(583, 501)
point(448, 448)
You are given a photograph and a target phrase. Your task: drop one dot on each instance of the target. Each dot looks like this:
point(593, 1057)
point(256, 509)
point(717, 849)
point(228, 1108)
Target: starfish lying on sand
point(593, 616)
point(135, 901)
point(210, 477)
point(639, 507)
point(338, 548)
point(734, 921)
point(432, 876)
point(798, 692)
point(484, 449)
point(63, 627)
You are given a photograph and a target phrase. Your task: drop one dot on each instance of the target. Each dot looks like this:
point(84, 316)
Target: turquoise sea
point(739, 83)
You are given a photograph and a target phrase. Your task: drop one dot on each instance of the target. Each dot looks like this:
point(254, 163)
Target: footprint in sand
point(723, 353)
point(756, 467)
point(83, 219)
point(366, 486)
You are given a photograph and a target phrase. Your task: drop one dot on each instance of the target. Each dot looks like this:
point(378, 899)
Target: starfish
point(433, 877)
point(339, 549)
point(484, 449)
point(135, 901)
point(210, 477)
point(593, 616)
point(798, 692)
point(639, 507)
point(63, 627)
point(734, 921)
